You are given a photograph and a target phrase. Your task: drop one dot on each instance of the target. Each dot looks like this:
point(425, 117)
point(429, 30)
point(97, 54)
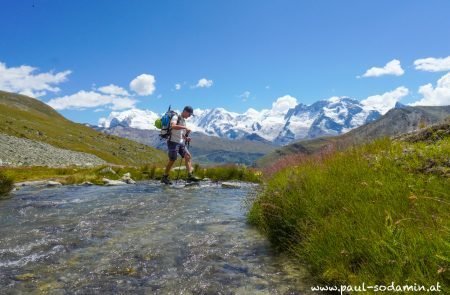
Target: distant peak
point(335, 99)
point(399, 105)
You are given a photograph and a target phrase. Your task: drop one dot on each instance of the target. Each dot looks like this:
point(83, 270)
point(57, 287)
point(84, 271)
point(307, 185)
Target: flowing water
point(137, 239)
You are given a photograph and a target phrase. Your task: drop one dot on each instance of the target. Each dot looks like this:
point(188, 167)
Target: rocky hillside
point(25, 152)
point(397, 121)
point(29, 118)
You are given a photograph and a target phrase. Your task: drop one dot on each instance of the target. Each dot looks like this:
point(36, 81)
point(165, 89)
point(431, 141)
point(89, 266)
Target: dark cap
point(188, 109)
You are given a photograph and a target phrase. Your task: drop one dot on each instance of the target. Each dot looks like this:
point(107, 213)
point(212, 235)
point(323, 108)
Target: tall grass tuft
point(293, 160)
point(373, 214)
point(229, 172)
point(6, 184)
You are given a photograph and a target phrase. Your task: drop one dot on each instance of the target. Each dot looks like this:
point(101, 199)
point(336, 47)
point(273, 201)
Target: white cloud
point(113, 90)
point(177, 86)
point(204, 83)
point(435, 96)
point(91, 99)
point(391, 68)
point(432, 64)
point(245, 95)
point(143, 84)
point(283, 104)
point(386, 101)
point(25, 81)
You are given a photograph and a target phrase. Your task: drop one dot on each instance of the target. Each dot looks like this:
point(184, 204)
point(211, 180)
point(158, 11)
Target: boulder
point(51, 183)
point(87, 183)
point(179, 168)
point(127, 178)
point(230, 185)
point(109, 182)
point(31, 183)
point(130, 181)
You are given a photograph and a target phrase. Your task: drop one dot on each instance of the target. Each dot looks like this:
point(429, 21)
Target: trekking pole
point(188, 146)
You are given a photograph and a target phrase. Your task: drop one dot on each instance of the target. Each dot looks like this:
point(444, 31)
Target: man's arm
point(173, 125)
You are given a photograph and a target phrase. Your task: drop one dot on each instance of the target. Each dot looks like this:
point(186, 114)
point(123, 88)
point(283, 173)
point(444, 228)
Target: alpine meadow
point(217, 147)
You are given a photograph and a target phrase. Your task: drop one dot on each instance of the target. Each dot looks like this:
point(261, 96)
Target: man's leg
point(187, 159)
point(165, 179)
point(172, 153)
point(169, 166)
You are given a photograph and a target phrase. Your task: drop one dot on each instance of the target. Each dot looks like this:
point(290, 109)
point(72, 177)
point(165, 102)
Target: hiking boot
point(192, 178)
point(165, 179)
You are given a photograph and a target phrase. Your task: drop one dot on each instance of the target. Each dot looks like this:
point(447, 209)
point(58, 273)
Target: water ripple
point(138, 239)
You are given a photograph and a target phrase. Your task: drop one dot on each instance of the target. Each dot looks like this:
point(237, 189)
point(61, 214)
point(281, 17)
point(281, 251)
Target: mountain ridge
point(400, 120)
point(334, 116)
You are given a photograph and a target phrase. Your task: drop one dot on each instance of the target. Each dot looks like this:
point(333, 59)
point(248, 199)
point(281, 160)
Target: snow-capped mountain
point(135, 118)
point(324, 118)
point(284, 123)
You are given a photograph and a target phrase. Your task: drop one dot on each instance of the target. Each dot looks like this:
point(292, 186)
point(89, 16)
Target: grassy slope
point(26, 117)
point(394, 122)
point(375, 214)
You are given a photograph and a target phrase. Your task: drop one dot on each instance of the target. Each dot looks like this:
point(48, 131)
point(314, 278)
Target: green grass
point(76, 175)
point(6, 184)
point(29, 118)
point(374, 214)
point(229, 172)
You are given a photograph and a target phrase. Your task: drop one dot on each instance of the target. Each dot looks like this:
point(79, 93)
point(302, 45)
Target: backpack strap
point(170, 124)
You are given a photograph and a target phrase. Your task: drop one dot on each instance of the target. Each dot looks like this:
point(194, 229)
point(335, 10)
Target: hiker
point(176, 143)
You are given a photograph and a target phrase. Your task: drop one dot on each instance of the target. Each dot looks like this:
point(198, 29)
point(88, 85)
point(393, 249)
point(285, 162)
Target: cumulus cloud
point(91, 99)
point(432, 64)
point(435, 96)
point(113, 90)
point(245, 95)
point(204, 83)
point(283, 104)
point(391, 68)
point(177, 86)
point(143, 84)
point(386, 101)
point(25, 80)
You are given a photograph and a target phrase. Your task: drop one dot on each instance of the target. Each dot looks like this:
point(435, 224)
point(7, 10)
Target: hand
point(188, 139)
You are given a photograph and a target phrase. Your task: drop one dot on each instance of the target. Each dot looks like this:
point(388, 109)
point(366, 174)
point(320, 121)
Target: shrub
point(6, 184)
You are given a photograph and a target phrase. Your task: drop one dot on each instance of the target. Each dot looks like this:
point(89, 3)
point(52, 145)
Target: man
point(177, 143)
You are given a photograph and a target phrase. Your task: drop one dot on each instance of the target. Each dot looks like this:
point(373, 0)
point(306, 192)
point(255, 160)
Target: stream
point(138, 239)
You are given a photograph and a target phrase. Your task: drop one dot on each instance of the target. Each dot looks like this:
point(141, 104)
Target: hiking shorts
point(175, 147)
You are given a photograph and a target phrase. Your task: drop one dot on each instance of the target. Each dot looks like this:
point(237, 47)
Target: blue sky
point(251, 52)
